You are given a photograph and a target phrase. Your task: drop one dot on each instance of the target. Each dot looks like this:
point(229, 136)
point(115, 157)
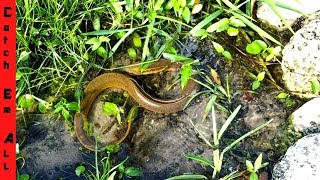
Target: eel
point(127, 83)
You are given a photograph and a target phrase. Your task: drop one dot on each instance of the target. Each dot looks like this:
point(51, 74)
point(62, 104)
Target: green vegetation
point(219, 153)
point(106, 170)
point(60, 42)
point(253, 169)
point(61, 45)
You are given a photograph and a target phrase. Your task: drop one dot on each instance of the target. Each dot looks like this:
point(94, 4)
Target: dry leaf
point(215, 76)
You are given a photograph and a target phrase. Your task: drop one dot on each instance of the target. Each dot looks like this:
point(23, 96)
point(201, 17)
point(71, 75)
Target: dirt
point(49, 150)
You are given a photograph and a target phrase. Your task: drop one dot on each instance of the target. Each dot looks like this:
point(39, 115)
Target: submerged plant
point(105, 171)
point(253, 169)
point(218, 153)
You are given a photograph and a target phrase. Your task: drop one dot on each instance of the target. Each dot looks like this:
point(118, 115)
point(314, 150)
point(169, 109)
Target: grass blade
point(245, 136)
point(199, 159)
point(188, 176)
point(255, 28)
point(286, 6)
point(206, 21)
point(115, 47)
point(226, 124)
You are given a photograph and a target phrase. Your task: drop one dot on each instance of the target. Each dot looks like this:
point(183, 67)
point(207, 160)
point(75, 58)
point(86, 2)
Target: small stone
point(307, 116)
point(301, 160)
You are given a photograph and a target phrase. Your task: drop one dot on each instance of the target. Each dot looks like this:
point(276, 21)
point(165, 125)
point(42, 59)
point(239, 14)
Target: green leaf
point(110, 108)
point(79, 170)
point(26, 100)
point(129, 5)
point(169, 4)
point(104, 39)
point(191, 2)
point(65, 113)
point(254, 27)
point(261, 76)
point(176, 5)
point(102, 52)
point(282, 95)
point(232, 31)
point(132, 171)
point(137, 40)
point(112, 175)
point(228, 121)
point(73, 106)
point(218, 47)
point(132, 53)
point(138, 15)
point(208, 107)
point(95, 42)
point(158, 5)
point(96, 23)
point(115, 47)
point(200, 32)
point(188, 177)
point(183, 3)
point(205, 22)
point(249, 166)
point(236, 22)
point(255, 85)
point(262, 44)
point(24, 177)
point(216, 158)
point(219, 26)
point(58, 109)
point(227, 55)
point(162, 33)
point(254, 176)
point(116, 7)
point(18, 75)
point(113, 148)
point(186, 72)
point(42, 108)
point(177, 58)
point(186, 14)
point(24, 55)
point(196, 9)
point(119, 35)
point(257, 163)
point(200, 159)
point(315, 86)
point(223, 25)
point(253, 48)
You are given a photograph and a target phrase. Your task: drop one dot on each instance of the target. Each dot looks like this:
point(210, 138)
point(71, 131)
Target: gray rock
point(307, 117)
point(301, 160)
point(266, 15)
point(301, 59)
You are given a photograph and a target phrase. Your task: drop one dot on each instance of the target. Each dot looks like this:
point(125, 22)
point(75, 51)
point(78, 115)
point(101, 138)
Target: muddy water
point(158, 142)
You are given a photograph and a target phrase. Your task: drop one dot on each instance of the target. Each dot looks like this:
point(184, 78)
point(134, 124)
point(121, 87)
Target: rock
point(266, 15)
point(301, 59)
point(301, 160)
point(307, 117)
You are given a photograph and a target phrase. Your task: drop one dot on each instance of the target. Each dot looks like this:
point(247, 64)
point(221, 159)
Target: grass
point(53, 57)
point(62, 44)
